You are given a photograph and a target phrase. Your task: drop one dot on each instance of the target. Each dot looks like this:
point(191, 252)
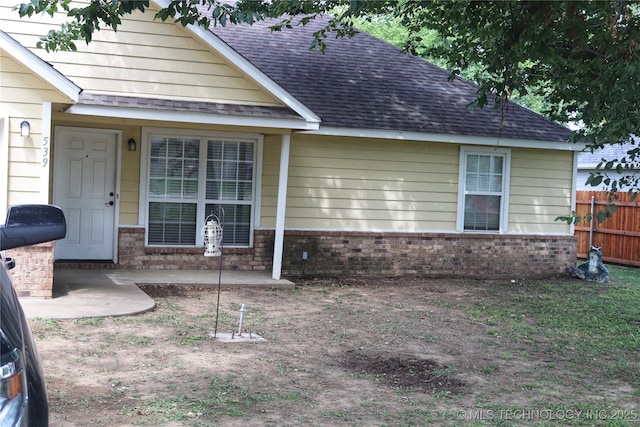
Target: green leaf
point(594, 180)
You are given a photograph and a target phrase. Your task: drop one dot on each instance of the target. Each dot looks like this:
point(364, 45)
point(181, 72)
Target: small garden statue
point(592, 269)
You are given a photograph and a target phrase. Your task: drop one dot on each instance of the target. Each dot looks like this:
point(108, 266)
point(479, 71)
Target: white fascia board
point(251, 70)
point(593, 166)
point(188, 117)
point(38, 66)
point(456, 139)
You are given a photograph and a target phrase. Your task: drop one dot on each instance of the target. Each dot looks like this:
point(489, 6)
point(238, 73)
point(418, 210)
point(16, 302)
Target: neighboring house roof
point(363, 82)
point(589, 160)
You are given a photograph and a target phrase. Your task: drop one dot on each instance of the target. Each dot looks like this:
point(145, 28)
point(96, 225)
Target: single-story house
point(364, 160)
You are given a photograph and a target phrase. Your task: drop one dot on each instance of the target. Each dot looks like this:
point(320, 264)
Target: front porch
point(81, 293)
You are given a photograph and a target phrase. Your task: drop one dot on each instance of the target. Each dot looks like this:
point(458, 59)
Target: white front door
point(84, 188)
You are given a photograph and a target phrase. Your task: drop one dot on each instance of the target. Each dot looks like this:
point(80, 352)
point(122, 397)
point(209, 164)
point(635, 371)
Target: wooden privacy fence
point(618, 236)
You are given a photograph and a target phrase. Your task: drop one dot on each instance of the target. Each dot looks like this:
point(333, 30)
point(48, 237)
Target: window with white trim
point(192, 177)
point(483, 189)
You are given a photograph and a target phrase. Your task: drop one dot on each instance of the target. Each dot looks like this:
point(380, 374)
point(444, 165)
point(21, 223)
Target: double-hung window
point(484, 182)
point(190, 177)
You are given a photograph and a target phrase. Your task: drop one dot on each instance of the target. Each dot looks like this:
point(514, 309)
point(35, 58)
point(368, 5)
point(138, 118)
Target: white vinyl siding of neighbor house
point(22, 94)
point(363, 185)
point(145, 58)
point(541, 190)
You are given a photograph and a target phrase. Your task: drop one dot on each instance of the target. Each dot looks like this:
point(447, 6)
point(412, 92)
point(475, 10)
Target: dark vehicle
point(23, 395)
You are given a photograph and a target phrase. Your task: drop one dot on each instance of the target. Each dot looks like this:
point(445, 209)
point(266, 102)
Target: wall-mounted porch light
point(25, 129)
point(132, 144)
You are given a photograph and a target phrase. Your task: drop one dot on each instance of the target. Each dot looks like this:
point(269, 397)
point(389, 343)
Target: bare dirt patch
point(399, 351)
point(410, 373)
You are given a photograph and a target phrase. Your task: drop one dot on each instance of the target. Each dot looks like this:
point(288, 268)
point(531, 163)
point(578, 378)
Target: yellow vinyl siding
point(128, 207)
point(25, 165)
point(21, 96)
point(541, 188)
point(356, 184)
point(129, 177)
point(144, 58)
point(21, 88)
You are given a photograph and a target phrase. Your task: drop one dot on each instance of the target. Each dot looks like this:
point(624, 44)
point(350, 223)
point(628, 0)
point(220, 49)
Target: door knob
point(110, 203)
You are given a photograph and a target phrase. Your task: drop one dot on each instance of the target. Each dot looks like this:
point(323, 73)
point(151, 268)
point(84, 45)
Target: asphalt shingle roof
point(188, 106)
point(365, 83)
point(588, 159)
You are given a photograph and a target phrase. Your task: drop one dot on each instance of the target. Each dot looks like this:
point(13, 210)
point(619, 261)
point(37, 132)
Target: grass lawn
point(592, 329)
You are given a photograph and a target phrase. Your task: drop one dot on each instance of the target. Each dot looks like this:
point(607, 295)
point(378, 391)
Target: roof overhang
point(246, 66)
point(136, 113)
point(447, 138)
point(39, 67)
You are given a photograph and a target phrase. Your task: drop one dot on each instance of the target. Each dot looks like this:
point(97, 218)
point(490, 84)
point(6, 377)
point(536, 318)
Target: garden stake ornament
point(212, 237)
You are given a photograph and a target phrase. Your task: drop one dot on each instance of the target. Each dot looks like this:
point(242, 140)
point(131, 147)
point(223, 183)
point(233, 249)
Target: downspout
point(278, 244)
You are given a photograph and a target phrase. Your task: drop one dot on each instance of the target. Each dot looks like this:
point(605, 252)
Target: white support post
point(282, 206)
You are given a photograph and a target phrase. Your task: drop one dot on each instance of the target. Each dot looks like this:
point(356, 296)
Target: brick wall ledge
point(192, 251)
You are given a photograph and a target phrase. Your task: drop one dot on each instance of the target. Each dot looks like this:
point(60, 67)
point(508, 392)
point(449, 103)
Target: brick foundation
point(133, 255)
point(428, 254)
point(33, 274)
point(329, 254)
point(369, 254)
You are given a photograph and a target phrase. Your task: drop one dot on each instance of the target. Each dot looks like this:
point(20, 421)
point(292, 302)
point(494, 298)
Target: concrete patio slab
point(81, 293)
point(235, 338)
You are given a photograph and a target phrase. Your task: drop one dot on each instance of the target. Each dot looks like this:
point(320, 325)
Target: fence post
point(593, 198)
point(619, 236)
